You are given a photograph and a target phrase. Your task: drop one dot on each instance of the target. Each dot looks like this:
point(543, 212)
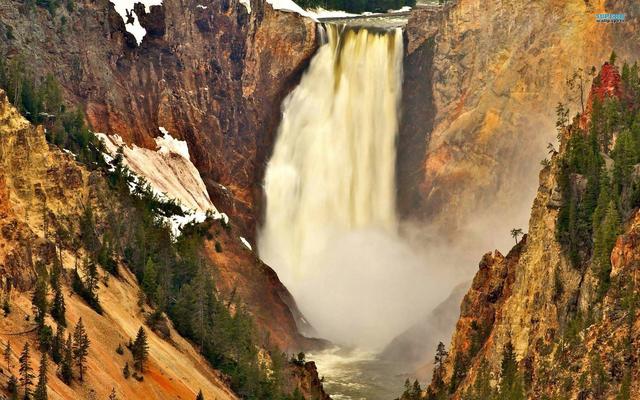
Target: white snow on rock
point(246, 243)
point(246, 4)
point(136, 29)
point(290, 6)
point(171, 175)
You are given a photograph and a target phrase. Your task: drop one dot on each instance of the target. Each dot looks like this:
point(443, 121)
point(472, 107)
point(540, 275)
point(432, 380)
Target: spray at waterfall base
point(331, 230)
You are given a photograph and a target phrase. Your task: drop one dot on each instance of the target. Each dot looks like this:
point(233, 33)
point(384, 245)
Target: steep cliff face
point(482, 79)
point(570, 317)
point(210, 73)
point(41, 190)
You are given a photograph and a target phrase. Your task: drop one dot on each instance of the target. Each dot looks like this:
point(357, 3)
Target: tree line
point(176, 277)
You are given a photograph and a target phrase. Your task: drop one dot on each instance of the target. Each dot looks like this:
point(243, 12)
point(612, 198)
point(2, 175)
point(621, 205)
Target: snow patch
point(136, 29)
point(201, 6)
point(246, 243)
point(170, 174)
point(246, 4)
point(290, 6)
point(168, 144)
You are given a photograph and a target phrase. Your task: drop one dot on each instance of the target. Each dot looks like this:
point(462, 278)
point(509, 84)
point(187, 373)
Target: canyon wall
point(212, 74)
point(482, 79)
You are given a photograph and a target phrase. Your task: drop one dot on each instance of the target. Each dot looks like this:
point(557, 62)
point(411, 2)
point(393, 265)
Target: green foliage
point(41, 388)
point(412, 391)
point(57, 345)
point(438, 390)
point(66, 366)
point(357, 6)
point(26, 372)
point(125, 371)
point(481, 389)
point(58, 307)
point(173, 272)
point(599, 196)
point(140, 350)
point(511, 381)
point(12, 387)
point(40, 100)
point(80, 347)
point(39, 300)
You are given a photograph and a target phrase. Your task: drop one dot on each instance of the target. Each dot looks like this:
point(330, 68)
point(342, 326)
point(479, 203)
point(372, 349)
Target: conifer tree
point(149, 280)
point(26, 372)
point(437, 389)
point(12, 387)
point(80, 347)
point(41, 387)
point(511, 385)
point(6, 354)
point(57, 345)
point(125, 370)
point(112, 395)
point(140, 350)
point(66, 366)
point(200, 396)
point(481, 389)
point(39, 301)
point(58, 308)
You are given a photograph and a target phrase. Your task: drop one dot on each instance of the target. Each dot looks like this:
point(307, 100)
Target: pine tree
point(57, 345)
point(39, 300)
point(481, 389)
point(80, 347)
point(66, 366)
point(26, 372)
point(125, 370)
point(41, 387)
point(6, 354)
point(140, 350)
point(511, 385)
point(437, 389)
point(112, 395)
point(58, 308)
point(200, 396)
point(149, 280)
point(12, 387)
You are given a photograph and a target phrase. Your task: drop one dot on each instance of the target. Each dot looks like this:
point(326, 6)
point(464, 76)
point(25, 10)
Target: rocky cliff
point(209, 72)
point(42, 189)
point(567, 318)
point(482, 79)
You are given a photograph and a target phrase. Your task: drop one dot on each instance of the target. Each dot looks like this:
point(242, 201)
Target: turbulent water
point(332, 168)
point(331, 230)
point(331, 225)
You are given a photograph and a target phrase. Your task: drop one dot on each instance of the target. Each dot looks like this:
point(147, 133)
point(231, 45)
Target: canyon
point(476, 110)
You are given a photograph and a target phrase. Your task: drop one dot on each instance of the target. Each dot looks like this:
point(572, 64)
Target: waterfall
point(330, 184)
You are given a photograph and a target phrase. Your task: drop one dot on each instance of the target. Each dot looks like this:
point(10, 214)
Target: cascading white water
point(330, 228)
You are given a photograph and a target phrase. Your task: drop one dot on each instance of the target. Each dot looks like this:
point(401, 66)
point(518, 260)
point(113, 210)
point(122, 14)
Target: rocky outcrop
point(208, 71)
point(211, 74)
point(43, 192)
point(569, 341)
point(482, 78)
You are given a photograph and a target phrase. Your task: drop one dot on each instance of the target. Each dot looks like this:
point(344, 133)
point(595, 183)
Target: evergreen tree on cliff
point(80, 347)
point(66, 366)
point(511, 384)
point(41, 387)
point(26, 372)
point(140, 350)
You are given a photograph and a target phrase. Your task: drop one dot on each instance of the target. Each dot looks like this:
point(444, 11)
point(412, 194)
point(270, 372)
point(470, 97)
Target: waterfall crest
point(332, 172)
